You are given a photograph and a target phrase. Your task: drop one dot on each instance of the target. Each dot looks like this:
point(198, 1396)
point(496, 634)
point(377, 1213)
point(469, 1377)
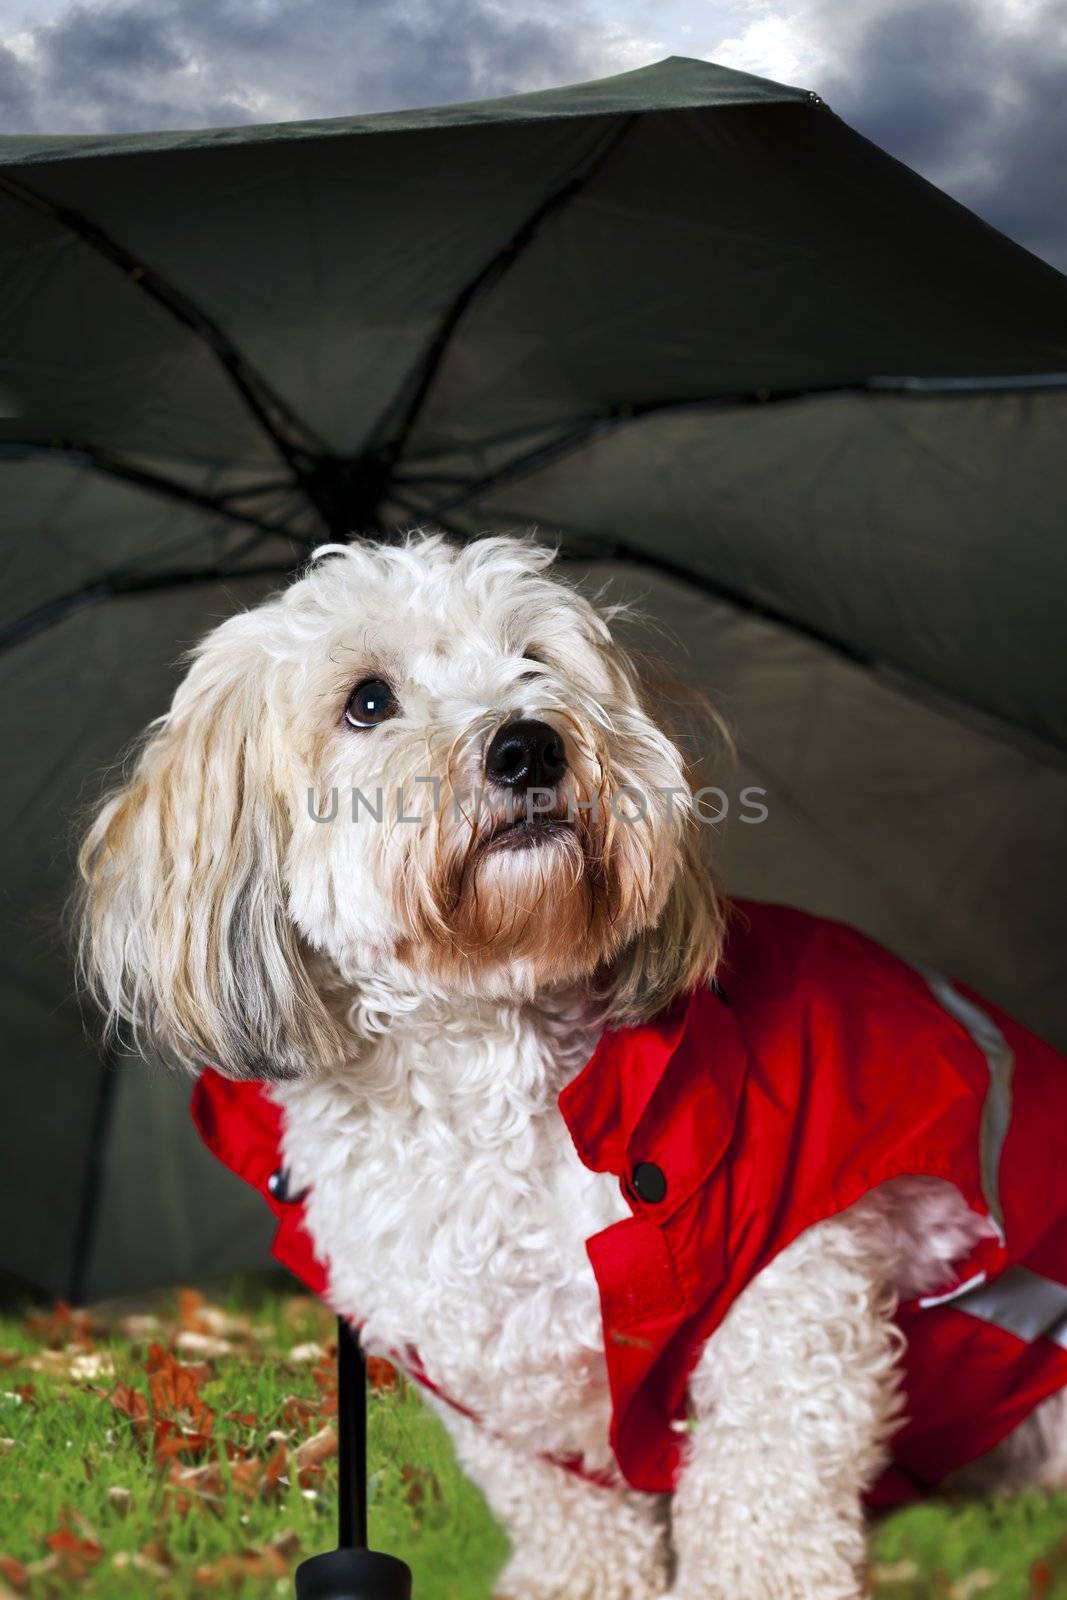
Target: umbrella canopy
point(685, 322)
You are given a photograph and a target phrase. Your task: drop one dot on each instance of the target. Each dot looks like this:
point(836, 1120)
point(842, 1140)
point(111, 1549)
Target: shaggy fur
point(418, 996)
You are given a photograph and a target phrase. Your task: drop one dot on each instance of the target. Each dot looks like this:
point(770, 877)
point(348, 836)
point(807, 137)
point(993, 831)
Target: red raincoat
point(822, 1067)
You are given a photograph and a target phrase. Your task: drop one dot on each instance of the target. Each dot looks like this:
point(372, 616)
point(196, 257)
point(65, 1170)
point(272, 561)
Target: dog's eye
point(370, 703)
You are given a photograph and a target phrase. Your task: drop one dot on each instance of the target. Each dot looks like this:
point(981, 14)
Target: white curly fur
point(421, 997)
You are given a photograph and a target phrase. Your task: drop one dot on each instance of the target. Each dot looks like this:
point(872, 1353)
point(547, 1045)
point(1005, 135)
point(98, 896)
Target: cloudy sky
point(973, 93)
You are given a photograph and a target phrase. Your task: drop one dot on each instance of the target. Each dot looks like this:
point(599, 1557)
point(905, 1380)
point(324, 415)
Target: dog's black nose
point(526, 755)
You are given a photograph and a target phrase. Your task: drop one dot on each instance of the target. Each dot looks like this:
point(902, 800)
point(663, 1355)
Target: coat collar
point(667, 1091)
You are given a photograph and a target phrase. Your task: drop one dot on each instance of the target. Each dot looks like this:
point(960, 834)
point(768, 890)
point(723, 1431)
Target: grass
point(215, 1477)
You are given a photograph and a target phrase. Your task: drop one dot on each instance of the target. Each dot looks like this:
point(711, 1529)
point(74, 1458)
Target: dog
point(412, 842)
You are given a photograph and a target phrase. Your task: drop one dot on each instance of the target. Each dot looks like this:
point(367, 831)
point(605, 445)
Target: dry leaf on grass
point(976, 1582)
point(325, 1377)
point(147, 1561)
point(243, 1419)
point(206, 1345)
point(270, 1560)
point(139, 1328)
point(170, 1440)
point(297, 1410)
point(304, 1354)
point(263, 1563)
point(381, 1374)
point(61, 1326)
point(119, 1499)
point(310, 1456)
point(184, 1424)
point(130, 1402)
point(175, 1388)
point(14, 1571)
point(287, 1543)
point(199, 1486)
point(73, 1362)
point(74, 1544)
point(199, 1316)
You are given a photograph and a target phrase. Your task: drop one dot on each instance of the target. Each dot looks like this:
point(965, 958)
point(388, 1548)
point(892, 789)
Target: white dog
point(418, 992)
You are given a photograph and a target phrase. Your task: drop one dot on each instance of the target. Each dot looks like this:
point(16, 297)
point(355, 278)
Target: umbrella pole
point(352, 1572)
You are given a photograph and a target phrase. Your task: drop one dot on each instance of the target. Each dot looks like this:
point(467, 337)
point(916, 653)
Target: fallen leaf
point(62, 1325)
point(972, 1583)
point(1040, 1579)
point(287, 1543)
point(297, 1410)
point(139, 1329)
point(119, 1499)
point(169, 1441)
point(381, 1374)
point(92, 1364)
point(130, 1402)
point(176, 1400)
point(190, 1302)
point(303, 1354)
point(76, 1547)
point(325, 1378)
point(419, 1483)
point(266, 1562)
point(45, 1567)
point(226, 1324)
point(207, 1345)
point(73, 1362)
point(197, 1315)
point(320, 1447)
point(274, 1471)
point(141, 1561)
point(188, 1486)
point(14, 1571)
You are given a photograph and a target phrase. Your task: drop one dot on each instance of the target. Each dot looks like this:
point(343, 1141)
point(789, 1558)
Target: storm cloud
point(972, 96)
point(133, 64)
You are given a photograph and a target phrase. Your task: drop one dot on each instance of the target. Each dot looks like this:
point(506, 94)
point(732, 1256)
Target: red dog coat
point(821, 1068)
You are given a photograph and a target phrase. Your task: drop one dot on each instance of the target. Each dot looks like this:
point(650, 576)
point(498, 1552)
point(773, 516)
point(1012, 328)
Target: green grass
point(71, 1446)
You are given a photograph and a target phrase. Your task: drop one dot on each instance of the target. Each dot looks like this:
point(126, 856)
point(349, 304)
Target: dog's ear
point(682, 947)
point(185, 933)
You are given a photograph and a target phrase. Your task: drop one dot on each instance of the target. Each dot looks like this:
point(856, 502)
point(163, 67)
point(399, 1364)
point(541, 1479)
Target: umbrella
point(686, 323)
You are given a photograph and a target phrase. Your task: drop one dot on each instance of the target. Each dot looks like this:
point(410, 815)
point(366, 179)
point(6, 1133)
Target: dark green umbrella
point(684, 320)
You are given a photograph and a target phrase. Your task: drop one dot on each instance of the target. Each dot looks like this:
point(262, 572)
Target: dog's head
point(420, 761)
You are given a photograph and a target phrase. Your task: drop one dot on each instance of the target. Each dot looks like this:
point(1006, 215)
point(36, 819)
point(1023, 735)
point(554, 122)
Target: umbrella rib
point(119, 584)
point(583, 429)
point(393, 428)
point(275, 416)
point(580, 545)
point(115, 466)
